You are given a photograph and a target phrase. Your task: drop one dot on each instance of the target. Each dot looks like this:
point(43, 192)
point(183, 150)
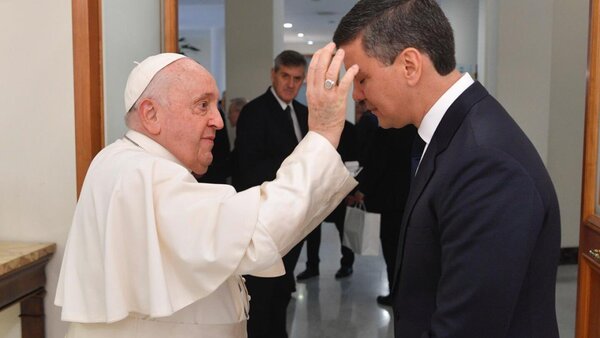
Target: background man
point(268, 130)
point(384, 184)
point(152, 253)
point(235, 107)
point(480, 236)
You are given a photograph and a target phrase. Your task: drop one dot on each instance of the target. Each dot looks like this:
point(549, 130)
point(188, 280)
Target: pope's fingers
point(335, 65)
point(323, 63)
point(347, 79)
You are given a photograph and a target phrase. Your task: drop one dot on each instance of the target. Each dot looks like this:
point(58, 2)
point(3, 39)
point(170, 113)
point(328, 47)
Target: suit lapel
point(302, 117)
point(450, 123)
point(281, 118)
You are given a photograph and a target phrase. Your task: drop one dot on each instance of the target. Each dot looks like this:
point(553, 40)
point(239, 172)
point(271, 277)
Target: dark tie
point(415, 154)
point(288, 114)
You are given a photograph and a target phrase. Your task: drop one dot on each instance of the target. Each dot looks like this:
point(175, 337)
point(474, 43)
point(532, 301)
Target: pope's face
point(382, 88)
point(287, 81)
point(192, 116)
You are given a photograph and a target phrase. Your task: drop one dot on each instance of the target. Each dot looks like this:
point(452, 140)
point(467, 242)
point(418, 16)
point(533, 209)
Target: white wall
point(487, 44)
point(37, 143)
point(464, 18)
point(217, 66)
point(567, 110)
point(540, 72)
point(203, 26)
point(524, 68)
point(131, 32)
point(200, 39)
point(250, 46)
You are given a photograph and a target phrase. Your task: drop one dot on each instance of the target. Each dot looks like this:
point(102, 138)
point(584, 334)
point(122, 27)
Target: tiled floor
point(325, 307)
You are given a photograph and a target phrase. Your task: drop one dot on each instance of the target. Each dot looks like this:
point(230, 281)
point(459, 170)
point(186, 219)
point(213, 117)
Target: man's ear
point(149, 116)
point(411, 62)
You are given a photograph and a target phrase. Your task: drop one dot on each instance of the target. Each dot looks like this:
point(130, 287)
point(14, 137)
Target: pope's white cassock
point(153, 253)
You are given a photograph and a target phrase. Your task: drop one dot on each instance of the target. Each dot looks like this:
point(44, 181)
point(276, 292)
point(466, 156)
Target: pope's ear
point(149, 116)
point(411, 62)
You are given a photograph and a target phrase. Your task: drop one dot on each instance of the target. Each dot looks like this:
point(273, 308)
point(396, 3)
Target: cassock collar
point(149, 145)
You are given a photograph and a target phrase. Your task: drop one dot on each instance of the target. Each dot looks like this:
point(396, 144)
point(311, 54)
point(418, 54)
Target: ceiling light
point(310, 42)
point(300, 35)
point(287, 25)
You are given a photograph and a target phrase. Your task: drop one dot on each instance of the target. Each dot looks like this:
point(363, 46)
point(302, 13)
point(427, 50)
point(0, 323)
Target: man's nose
point(357, 94)
point(216, 119)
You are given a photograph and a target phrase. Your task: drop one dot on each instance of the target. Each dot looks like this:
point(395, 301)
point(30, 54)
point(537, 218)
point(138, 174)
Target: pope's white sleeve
point(310, 183)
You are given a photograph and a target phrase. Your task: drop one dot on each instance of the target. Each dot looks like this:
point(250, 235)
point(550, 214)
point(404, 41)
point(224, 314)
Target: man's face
point(190, 117)
point(382, 88)
point(287, 81)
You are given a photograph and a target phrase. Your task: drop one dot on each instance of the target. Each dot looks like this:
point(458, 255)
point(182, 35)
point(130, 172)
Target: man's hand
point(326, 100)
point(357, 198)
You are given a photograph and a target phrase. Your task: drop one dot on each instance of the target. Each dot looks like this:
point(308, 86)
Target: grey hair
point(289, 58)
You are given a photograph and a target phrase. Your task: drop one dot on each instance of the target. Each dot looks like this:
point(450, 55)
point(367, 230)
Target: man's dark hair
point(289, 58)
point(390, 26)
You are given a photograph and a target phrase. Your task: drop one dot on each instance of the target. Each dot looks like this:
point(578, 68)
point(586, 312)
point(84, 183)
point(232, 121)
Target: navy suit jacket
point(264, 138)
point(480, 236)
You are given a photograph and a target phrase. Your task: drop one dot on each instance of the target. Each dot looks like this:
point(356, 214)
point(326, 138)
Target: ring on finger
point(329, 84)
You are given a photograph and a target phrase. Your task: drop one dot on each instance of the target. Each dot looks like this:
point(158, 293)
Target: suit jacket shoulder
point(264, 138)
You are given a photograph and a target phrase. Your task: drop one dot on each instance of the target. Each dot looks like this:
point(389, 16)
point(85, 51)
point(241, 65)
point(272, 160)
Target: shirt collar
point(149, 145)
point(281, 102)
point(432, 119)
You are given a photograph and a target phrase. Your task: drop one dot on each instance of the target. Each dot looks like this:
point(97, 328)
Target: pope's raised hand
point(326, 96)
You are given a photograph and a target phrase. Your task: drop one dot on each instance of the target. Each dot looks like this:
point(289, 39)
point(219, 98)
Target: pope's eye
point(202, 107)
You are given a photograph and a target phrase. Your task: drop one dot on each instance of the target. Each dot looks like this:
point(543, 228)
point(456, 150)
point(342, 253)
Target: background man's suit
point(264, 138)
point(480, 235)
point(385, 181)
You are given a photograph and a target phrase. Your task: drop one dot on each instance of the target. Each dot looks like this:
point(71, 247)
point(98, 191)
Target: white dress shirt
point(432, 119)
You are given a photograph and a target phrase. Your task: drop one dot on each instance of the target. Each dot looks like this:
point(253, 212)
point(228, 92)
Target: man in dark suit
point(268, 130)
point(384, 185)
point(480, 235)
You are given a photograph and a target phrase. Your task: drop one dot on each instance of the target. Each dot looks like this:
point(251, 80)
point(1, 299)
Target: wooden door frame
point(590, 221)
point(590, 166)
point(88, 75)
point(88, 83)
point(170, 25)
